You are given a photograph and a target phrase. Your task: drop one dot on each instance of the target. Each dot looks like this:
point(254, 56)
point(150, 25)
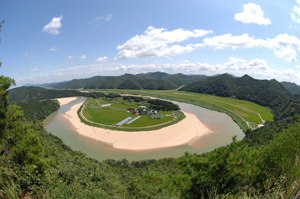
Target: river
point(221, 124)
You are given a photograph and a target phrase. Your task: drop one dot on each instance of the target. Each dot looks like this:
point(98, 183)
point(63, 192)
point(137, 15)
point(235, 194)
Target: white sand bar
point(66, 100)
point(178, 134)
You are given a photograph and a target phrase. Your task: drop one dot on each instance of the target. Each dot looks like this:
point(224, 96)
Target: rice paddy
point(117, 110)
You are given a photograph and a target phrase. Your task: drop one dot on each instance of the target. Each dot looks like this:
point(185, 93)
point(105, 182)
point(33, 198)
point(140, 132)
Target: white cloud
point(285, 45)
point(252, 13)
point(163, 43)
point(185, 61)
point(108, 17)
point(258, 64)
point(83, 57)
point(284, 75)
point(97, 19)
point(37, 69)
point(70, 57)
point(53, 49)
point(101, 59)
point(296, 14)
point(242, 64)
point(233, 65)
point(235, 42)
point(32, 56)
point(156, 43)
point(53, 26)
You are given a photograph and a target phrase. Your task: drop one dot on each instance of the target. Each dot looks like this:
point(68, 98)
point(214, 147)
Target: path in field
point(249, 126)
point(237, 106)
point(98, 103)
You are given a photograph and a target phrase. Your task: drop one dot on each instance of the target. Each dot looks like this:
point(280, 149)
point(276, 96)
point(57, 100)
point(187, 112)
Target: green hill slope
point(294, 88)
point(267, 93)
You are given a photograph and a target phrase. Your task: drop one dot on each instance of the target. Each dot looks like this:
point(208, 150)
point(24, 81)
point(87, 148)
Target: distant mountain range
point(151, 81)
point(294, 88)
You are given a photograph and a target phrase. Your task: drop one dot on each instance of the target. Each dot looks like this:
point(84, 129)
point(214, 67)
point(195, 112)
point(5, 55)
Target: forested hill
point(269, 93)
point(39, 110)
point(26, 94)
point(151, 81)
point(294, 88)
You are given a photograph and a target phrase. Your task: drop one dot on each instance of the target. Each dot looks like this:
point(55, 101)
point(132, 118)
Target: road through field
point(238, 107)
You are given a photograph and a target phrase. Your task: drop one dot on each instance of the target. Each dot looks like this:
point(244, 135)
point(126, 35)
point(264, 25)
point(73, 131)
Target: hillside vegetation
point(294, 88)
point(38, 110)
point(27, 94)
point(272, 94)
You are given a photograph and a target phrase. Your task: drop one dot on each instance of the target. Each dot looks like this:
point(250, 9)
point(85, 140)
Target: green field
point(245, 109)
point(117, 111)
point(248, 110)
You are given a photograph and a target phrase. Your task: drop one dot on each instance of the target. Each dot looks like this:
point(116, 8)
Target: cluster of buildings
point(141, 111)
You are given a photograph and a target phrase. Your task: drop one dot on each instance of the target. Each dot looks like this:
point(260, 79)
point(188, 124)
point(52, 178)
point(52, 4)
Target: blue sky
point(51, 41)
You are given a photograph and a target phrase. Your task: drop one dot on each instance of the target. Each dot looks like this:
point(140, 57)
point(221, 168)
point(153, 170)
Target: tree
point(225, 170)
point(22, 162)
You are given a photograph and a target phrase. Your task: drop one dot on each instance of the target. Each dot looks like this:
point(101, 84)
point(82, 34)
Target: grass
point(104, 115)
point(145, 121)
point(254, 119)
point(243, 108)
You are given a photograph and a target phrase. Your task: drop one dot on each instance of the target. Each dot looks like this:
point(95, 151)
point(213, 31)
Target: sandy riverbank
point(66, 100)
point(184, 132)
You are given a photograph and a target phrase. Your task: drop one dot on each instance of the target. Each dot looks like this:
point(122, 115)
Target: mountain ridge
point(142, 81)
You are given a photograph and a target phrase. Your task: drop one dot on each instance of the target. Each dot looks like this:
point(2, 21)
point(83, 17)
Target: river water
point(221, 124)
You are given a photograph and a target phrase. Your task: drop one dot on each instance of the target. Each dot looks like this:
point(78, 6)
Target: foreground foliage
point(36, 164)
point(239, 167)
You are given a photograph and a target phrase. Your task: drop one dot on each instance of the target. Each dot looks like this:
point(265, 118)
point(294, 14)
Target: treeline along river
point(221, 124)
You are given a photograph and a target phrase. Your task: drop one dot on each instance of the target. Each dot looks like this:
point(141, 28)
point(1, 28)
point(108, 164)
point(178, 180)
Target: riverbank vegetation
point(39, 109)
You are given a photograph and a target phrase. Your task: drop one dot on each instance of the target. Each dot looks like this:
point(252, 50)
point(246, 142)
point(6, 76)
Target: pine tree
point(22, 163)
